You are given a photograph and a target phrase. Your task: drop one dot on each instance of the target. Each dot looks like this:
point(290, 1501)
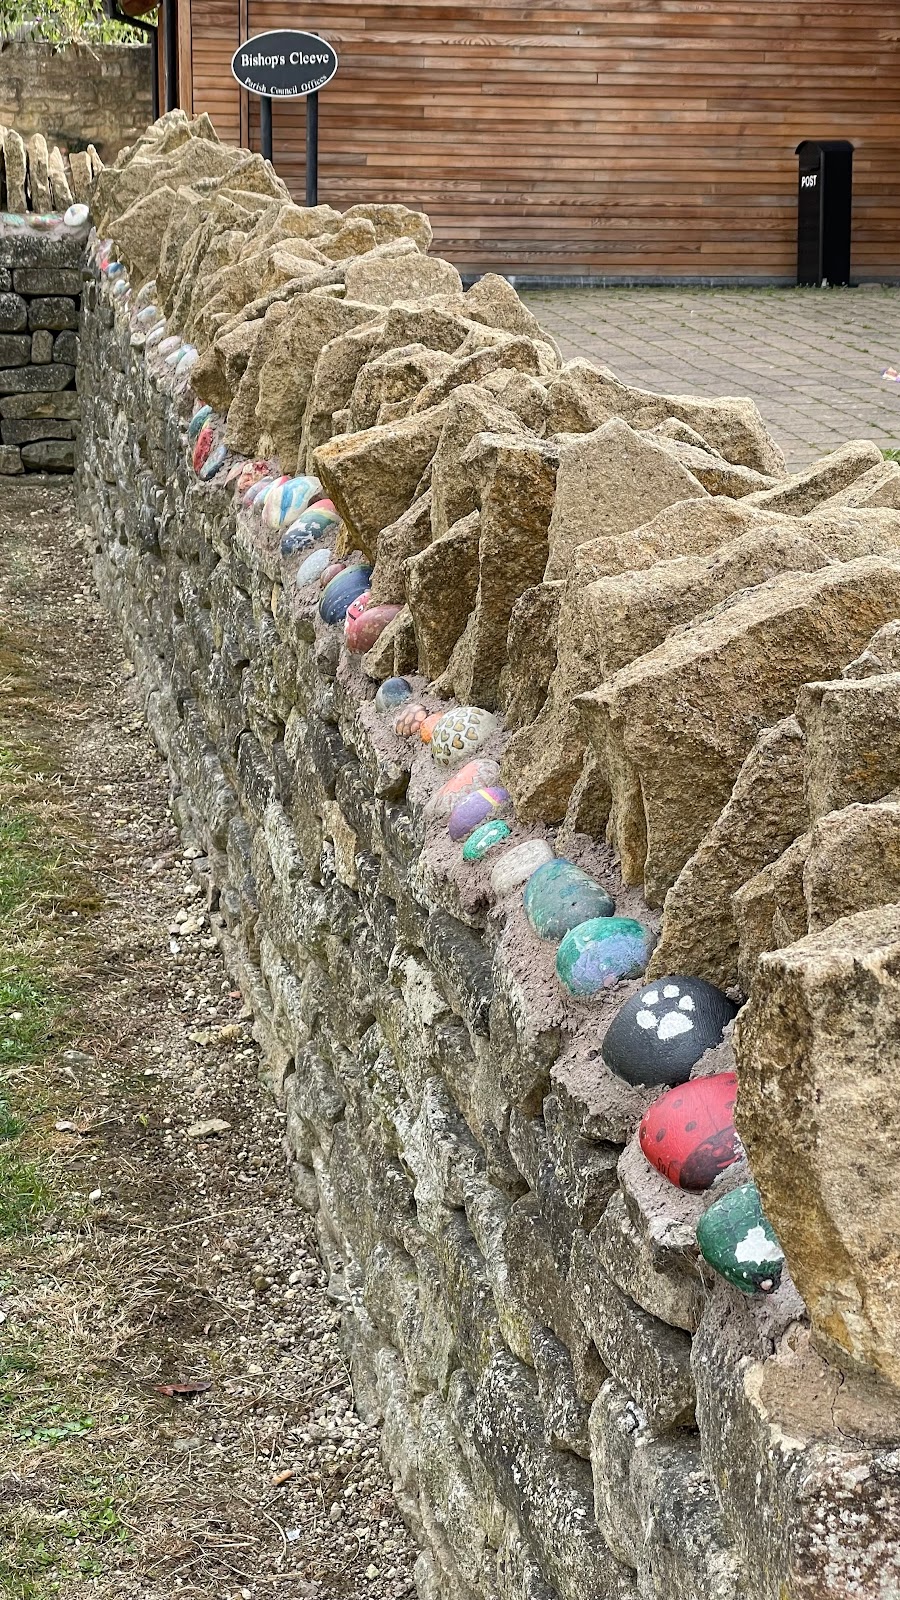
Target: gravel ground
point(172, 1251)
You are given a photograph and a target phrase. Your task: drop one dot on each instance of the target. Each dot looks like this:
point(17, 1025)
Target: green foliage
point(63, 22)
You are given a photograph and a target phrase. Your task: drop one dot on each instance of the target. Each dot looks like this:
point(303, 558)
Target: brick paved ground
point(811, 359)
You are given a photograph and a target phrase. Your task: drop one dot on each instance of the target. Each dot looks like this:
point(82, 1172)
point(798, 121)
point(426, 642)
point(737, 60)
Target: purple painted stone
point(475, 809)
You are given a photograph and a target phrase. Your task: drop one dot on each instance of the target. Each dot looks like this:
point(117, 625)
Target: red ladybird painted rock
point(688, 1134)
point(202, 448)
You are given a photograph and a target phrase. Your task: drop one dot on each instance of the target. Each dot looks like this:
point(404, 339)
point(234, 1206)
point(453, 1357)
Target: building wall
point(76, 96)
point(638, 138)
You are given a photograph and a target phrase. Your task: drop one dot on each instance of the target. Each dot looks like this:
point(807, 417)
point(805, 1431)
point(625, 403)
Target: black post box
point(824, 203)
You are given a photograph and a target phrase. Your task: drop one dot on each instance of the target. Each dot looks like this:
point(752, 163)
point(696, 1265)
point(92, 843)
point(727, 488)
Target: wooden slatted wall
point(631, 138)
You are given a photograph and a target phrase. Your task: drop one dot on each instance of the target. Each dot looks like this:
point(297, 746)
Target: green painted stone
point(560, 896)
point(598, 953)
point(484, 839)
point(736, 1238)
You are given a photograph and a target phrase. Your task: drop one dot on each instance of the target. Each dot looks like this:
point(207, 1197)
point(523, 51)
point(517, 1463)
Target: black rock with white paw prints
point(663, 1030)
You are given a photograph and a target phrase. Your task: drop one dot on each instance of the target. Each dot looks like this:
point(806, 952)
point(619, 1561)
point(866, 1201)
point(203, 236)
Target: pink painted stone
point(202, 447)
point(474, 775)
point(363, 631)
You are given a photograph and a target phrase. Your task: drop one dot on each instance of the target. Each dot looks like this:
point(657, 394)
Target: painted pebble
point(75, 216)
point(309, 527)
point(485, 839)
point(174, 356)
point(283, 507)
point(474, 775)
point(312, 568)
point(410, 720)
point(146, 293)
point(213, 462)
point(460, 733)
point(560, 895)
point(393, 692)
point(366, 629)
point(146, 317)
point(156, 335)
point(340, 593)
point(331, 571)
point(737, 1239)
point(516, 866)
point(428, 725)
point(198, 420)
point(186, 361)
point(251, 495)
point(249, 475)
point(598, 953)
point(688, 1134)
point(204, 444)
point(477, 808)
point(172, 342)
point(661, 1032)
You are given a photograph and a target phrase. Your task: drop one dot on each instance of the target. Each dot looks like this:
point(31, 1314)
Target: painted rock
point(331, 571)
point(485, 839)
point(156, 335)
point(213, 462)
point(688, 1134)
point(474, 775)
point(75, 216)
point(205, 441)
point(661, 1032)
point(393, 692)
point(477, 808)
point(146, 317)
point(186, 361)
point(172, 342)
point(121, 288)
point(311, 525)
point(340, 593)
point(273, 487)
point(598, 953)
point(147, 293)
point(198, 420)
point(251, 495)
point(560, 895)
point(460, 733)
point(363, 631)
point(410, 720)
point(312, 568)
point(737, 1239)
point(428, 725)
point(284, 506)
point(174, 356)
point(516, 866)
point(249, 474)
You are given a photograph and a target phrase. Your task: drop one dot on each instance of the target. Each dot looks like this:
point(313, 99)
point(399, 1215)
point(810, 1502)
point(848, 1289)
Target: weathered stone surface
point(53, 311)
point(41, 404)
point(379, 280)
point(805, 490)
point(15, 170)
point(331, 386)
point(394, 380)
point(531, 654)
point(140, 230)
point(60, 192)
point(704, 694)
point(769, 910)
point(42, 348)
point(852, 741)
point(27, 432)
point(852, 863)
point(47, 281)
point(765, 811)
point(816, 1128)
point(49, 455)
point(609, 482)
point(372, 476)
point(397, 545)
point(286, 372)
point(10, 460)
point(38, 173)
point(24, 380)
point(441, 585)
point(455, 475)
point(13, 312)
point(15, 349)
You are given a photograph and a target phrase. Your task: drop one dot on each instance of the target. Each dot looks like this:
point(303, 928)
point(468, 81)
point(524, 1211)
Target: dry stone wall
point(40, 301)
point(681, 661)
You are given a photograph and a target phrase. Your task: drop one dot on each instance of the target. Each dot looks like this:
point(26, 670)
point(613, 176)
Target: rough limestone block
point(380, 280)
point(440, 585)
point(396, 378)
point(42, 347)
point(38, 173)
point(610, 481)
point(770, 909)
point(455, 475)
point(60, 192)
point(531, 654)
point(15, 168)
point(703, 695)
point(821, 1133)
point(28, 380)
point(333, 378)
point(518, 477)
point(372, 476)
point(10, 461)
point(65, 347)
point(47, 280)
point(853, 862)
point(53, 311)
point(13, 313)
point(15, 349)
point(765, 811)
point(627, 1256)
point(42, 403)
point(285, 374)
point(852, 733)
point(799, 494)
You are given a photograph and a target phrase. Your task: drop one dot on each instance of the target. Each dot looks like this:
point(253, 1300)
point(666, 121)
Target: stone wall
point(573, 1403)
point(76, 96)
point(40, 298)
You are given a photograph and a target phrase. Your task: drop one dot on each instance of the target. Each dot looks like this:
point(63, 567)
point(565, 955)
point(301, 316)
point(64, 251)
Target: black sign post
point(287, 65)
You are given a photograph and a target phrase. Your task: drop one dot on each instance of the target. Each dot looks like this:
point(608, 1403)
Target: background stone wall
point(571, 1404)
point(77, 96)
point(40, 298)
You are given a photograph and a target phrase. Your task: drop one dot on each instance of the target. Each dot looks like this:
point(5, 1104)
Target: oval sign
point(284, 64)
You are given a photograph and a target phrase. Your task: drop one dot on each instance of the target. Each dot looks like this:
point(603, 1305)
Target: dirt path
point(133, 1252)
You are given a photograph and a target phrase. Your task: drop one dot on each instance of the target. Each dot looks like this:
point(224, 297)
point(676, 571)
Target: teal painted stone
point(601, 952)
point(485, 839)
point(560, 895)
point(213, 462)
point(198, 421)
point(737, 1239)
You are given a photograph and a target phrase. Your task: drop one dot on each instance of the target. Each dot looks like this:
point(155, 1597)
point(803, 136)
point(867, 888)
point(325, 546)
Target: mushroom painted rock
point(410, 720)
point(475, 809)
point(312, 568)
point(364, 629)
point(661, 1032)
point(516, 866)
point(474, 775)
point(460, 733)
point(198, 422)
point(560, 895)
point(737, 1239)
point(203, 446)
point(392, 693)
point(484, 839)
point(340, 593)
point(688, 1134)
point(599, 953)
